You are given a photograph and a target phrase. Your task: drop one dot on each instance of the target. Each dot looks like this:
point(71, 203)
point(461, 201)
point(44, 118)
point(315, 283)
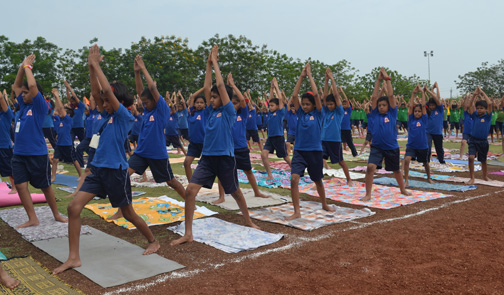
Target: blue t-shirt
point(251, 120)
point(151, 140)
point(345, 122)
point(435, 124)
point(29, 139)
point(182, 118)
point(48, 120)
point(331, 126)
point(63, 128)
point(218, 132)
point(468, 123)
point(99, 120)
point(88, 124)
point(384, 129)
point(275, 124)
point(239, 129)
point(5, 128)
point(171, 124)
point(78, 118)
point(259, 119)
point(110, 152)
point(197, 124)
point(308, 131)
point(417, 136)
point(137, 126)
point(481, 125)
point(292, 120)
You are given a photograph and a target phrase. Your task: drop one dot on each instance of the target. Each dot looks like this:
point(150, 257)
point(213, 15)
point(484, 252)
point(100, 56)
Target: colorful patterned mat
point(425, 185)
point(364, 168)
point(279, 165)
point(383, 197)
point(339, 173)
point(312, 215)
point(226, 236)
point(250, 198)
point(501, 172)
point(494, 183)
point(281, 178)
point(71, 189)
point(448, 167)
point(153, 211)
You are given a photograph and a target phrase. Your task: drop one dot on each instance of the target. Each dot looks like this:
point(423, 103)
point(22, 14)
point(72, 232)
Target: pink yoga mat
point(11, 200)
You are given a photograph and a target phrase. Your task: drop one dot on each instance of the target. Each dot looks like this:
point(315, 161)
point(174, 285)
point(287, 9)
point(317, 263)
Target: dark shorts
point(253, 134)
point(133, 138)
point(127, 146)
point(91, 153)
point(391, 157)
point(79, 132)
point(403, 124)
point(421, 156)
point(276, 143)
point(114, 183)
point(242, 157)
point(369, 136)
point(5, 162)
point(161, 169)
point(184, 133)
point(355, 123)
point(224, 167)
point(498, 125)
point(364, 125)
point(492, 129)
point(50, 134)
point(478, 147)
point(332, 150)
point(173, 140)
point(455, 125)
point(466, 136)
point(194, 149)
point(35, 169)
point(445, 124)
point(308, 159)
point(291, 138)
point(64, 154)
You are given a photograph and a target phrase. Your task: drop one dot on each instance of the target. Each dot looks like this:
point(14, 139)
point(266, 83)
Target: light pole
point(428, 55)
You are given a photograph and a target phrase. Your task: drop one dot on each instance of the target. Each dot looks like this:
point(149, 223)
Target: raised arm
point(150, 83)
point(437, 96)
point(334, 88)
point(74, 96)
point(207, 86)
point(58, 105)
point(318, 104)
point(23, 70)
point(295, 93)
point(3, 103)
point(472, 106)
point(488, 100)
point(221, 86)
point(184, 106)
point(389, 89)
point(94, 62)
point(138, 78)
point(376, 91)
point(411, 104)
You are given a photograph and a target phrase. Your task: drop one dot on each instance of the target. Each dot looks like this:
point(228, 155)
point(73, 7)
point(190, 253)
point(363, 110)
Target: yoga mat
point(226, 236)
point(252, 201)
point(279, 165)
point(136, 180)
point(153, 211)
point(424, 175)
point(13, 199)
point(281, 178)
point(339, 173)
point(2, 256)
point(34, 279)
point(497, 172)
point(312, 215)
point(364, 168)
point(495, 163)
point(179, 160)
point(425, 185)
point(448, 167)
point(67, 180)
point(47, 229)
point(494, 183)
point(383, 197)
point(109, 261)
point(71, 189)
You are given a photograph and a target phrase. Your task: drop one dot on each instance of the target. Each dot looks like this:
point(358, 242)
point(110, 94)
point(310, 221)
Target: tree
point(488, 77)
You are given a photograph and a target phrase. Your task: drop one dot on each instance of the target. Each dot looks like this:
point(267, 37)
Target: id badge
point(18, 126)
point(94, 141)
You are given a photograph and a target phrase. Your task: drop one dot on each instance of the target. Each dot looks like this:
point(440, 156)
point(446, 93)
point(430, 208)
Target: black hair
point(291, 105)
point(70, 111)
point(275, 101)
point(51, 103)
point(431, 100)
point(383, 98)
point(198, 97)
point(482, 103)
point(309, 96)
point(229, 90)
point(122, 94)
point(235, 97)
point(39, 87)
point(330, 97)
point(418, 106)
point(146, 93)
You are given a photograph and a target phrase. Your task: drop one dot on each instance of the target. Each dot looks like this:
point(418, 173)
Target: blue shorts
point(369, 136)
point(194, 150)
point(114, 183)
point(35, 169)
point(391, 157)
point(253, 134)
point(127, 146)
point(333, 151)
point(173, 140)
point(478, 147)
point(276, 143)
point(445, 124)
point(91, 153)
point(133, 138)
point(421, 156)
point(161, 169)
point(291, 138)
point(5, 162)
point(242, 157)
point(184, 133)
point(64, 154)
point(403, 124)
point(308, 159)
point(224, 167)
point(364, 125)
point(466, 136)
point(79, 132)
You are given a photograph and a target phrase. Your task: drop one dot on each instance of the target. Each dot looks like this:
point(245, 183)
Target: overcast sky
point(395, 33)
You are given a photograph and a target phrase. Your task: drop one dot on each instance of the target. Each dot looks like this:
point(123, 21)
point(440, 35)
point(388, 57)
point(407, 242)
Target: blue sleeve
point(229, 108)
point(340, 110)
point(81, 106)
point(40, 104)
point(163, 106)
point(411, 117)
point(20, 100)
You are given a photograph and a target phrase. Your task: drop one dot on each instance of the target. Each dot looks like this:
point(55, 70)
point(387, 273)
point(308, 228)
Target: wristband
point(28, 66)
point(387, 78)
point(246, 100)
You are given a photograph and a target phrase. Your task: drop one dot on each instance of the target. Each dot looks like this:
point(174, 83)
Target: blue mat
point(2, 256)
point(67, 180)
point(426, 185)
point(424, 175)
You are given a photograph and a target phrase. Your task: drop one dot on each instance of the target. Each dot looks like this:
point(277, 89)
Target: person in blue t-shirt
point(64, 146)
point(252, 132)
point(481, 113)
point(332, 112)
point(416, 148)
point(276, 138)
point(77, 120)
point(182, 115)
point(6, 117)
point(308, 147)
point(346, 126)
point(137, 126)
point(292, 120)
point(171, 128)
point(110, 169)
point(48, 125)
point(466, 126)
point(383, 128)
point(218, 149)
point(88, 131)
point(435, 123)
point(30, 162)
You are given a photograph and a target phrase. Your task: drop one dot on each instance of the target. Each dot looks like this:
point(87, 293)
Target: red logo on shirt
point(151, 118)
point(29, 113)
point(238, 119)
point(218, 115)
point(198, 117)
point(418, 124)
point(386, 120)
point(111, 120)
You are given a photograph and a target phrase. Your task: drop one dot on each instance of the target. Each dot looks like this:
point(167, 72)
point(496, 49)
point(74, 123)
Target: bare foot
point(69, 264)
point(7, 281)
point(293, 216)
point(78, 179)
point(221, 199)
point(471, 181)
point(117, 215)
point(261, 195)
point(406, 183)
point(350, 183)
point(430, 181)
point(12, 192)
point(182, 240)
point(152, 248)
point(60, 218)
point(327, 167)
point(487, 178)
point(405, 192)
point(252, 225)
point(28, 224)
point(328, 208)
point(268, 178)
point(53, 179)
point(365, 199)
